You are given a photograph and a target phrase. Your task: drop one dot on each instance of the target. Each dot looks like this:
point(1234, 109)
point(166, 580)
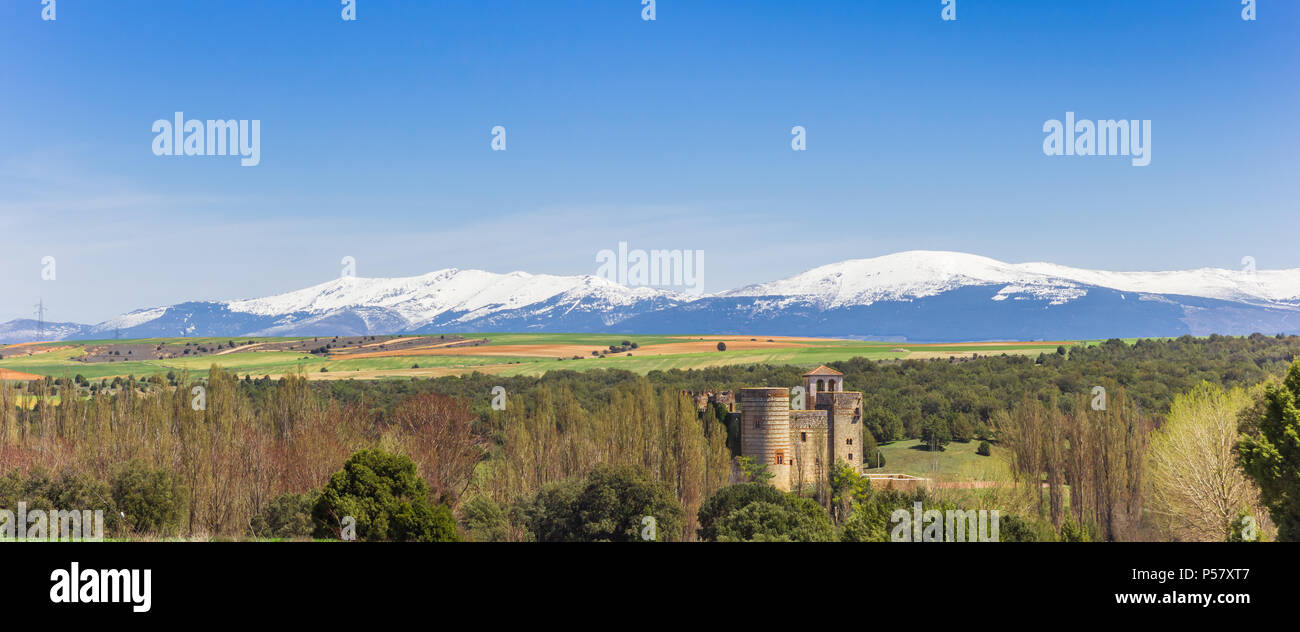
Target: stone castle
point(800, 445)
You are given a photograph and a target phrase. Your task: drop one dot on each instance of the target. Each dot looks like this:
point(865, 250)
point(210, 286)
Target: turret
point(765, 431)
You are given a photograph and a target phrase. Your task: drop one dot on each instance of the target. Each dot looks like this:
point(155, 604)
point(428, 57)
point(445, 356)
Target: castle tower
point(822, 379)
point(844, 425)
point(765, 431)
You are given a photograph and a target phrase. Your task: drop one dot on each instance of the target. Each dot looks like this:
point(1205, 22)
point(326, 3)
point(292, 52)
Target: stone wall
point(808, 436)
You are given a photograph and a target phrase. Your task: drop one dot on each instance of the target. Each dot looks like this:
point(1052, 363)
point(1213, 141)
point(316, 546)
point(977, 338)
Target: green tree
point(935, 433)
point(753, 471)
point(729, 499)
point(1270, 454)
point(847, 489)
point(757, 512)
point(613, 504)
point(387, 498)
point(869, 449)
point(797, 520)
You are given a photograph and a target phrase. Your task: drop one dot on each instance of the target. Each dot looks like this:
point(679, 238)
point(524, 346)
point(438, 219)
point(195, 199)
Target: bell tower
point(822, 379)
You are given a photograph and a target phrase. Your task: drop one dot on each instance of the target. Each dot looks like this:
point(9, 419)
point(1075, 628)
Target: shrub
point(288, 516)
point(984, 449)
point(1013, 528)
point(485, 520)
point(1072, 531)
point(388, 499)
point(149, 499)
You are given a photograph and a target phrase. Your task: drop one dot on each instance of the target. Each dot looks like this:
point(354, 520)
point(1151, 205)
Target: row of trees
point(1084, 461)
point(548, 437)
point(229, 454)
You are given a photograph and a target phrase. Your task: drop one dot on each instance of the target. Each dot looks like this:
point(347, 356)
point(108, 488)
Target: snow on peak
point(920, 273)
point(421, 298)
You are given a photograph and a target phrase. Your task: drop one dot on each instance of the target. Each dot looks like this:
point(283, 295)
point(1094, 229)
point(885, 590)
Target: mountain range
point(915, 296)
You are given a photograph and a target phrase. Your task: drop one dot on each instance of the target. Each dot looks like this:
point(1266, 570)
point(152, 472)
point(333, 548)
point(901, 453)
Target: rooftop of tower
point(822, 370)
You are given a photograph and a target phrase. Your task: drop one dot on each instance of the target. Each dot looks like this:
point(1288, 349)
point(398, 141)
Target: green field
point(530, 354)
point(957, 462)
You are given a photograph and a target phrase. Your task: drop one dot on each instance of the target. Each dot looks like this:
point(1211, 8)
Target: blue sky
point(375, 138)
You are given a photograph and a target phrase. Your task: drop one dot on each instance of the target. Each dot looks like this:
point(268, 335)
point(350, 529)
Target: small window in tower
point(755, 423)
point(850, 456)
point(803, 437)
point(848, 441)
point(780, 458)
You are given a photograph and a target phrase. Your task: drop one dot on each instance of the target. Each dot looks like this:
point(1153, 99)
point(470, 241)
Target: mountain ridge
point(932, 295)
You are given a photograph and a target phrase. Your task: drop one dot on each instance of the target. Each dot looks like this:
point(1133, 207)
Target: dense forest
point(588, 455)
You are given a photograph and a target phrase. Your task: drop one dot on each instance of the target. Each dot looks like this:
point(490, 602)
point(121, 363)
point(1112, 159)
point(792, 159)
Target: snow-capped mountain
point(921, 273)
point(915, 295)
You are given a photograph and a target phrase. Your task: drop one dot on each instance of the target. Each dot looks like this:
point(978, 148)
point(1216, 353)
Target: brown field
point(37, 350)
point(10, 374)
point(421, 350)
